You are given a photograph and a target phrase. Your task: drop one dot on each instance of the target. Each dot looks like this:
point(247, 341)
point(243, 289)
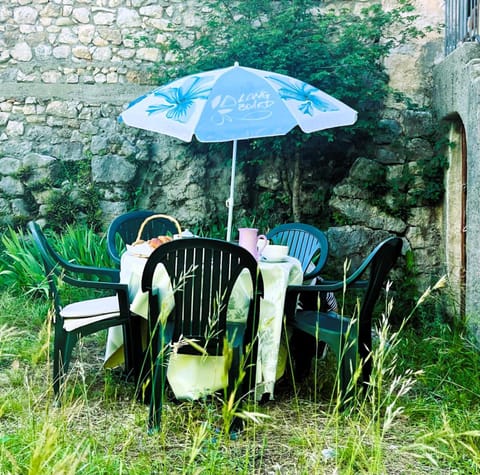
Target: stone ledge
point(90, 93)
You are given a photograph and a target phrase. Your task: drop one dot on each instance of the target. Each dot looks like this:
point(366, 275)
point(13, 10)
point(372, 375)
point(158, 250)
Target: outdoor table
point(190, 376)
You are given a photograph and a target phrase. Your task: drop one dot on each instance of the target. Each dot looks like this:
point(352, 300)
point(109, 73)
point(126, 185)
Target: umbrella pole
point(232, 190)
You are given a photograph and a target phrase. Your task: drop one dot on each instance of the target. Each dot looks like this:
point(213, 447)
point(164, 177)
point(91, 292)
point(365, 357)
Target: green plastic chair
point(124, 230)
point(349, 341)
point(201, 270)
point(81, 318)
point(305, 242)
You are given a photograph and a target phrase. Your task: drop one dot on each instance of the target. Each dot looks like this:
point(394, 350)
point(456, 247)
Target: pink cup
point(253, 242)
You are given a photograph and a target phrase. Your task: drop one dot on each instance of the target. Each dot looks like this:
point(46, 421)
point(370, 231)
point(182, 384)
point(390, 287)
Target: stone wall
point(66, 71)
point(68, 67)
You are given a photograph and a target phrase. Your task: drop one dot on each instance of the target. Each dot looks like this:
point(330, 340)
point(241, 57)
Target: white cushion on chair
point(70, 324)
point(80, 314)
point(91, 308)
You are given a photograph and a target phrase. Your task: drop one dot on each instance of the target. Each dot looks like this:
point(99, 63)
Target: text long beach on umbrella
point(236, 103)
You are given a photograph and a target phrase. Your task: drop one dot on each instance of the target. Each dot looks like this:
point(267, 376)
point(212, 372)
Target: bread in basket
point(158, 240)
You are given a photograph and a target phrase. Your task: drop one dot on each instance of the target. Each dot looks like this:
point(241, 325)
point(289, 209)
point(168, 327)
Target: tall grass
point(420, 413)
point(83, 245)
point(20, 264)
point(105, 428)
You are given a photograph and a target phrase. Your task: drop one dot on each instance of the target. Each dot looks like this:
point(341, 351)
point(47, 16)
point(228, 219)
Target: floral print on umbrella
point(304, 93)
point(179, 101)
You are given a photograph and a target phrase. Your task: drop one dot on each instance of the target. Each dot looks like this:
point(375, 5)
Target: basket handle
point(156, 216)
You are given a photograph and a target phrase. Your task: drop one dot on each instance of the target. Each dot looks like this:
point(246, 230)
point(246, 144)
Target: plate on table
point(274, 259)
point(140, 250)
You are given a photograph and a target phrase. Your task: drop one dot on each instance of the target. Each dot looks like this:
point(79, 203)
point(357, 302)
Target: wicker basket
point(139, 239)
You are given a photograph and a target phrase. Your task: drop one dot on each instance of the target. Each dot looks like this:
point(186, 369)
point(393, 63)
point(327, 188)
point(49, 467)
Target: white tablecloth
point(191, 376)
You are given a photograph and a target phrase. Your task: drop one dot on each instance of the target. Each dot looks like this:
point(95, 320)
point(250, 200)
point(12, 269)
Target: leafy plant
point(389, 194)
point(21, 266)
point(90, 203)
point(76, 199)
point(340, 219)
point(66, 207)
point(214, 230)
point(432, 171)
point(81, 244)
point(339, 50)
point(24, 173)
point(376, 181)
point(62, 208)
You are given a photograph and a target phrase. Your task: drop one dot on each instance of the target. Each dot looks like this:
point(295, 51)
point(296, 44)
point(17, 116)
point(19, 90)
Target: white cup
point(274, 252)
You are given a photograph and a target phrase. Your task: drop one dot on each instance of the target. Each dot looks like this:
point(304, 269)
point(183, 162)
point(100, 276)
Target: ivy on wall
point(422, 187)
point(432, 170)
point(72, 197)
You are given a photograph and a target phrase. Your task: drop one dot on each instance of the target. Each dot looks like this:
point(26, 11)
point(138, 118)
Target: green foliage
point(62, 208)
point(378, 186)
point(90, 202)
point(82, 245)
point(401, 201)
point(404, 191)
point(268, 208)
point(216, 230)
point(68, 170)
point(340, 50)
point(22, 328)
point(451, 360)
point(375, 182)
point(407, 289)
point(219, 229)
point(339, 219)
point(20, 266)
point(24, 173)
point(396, 195)
point(76, 199)
point(432, 171)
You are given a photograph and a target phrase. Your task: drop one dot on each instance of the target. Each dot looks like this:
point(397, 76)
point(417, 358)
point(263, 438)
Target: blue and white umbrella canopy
point(236, 103)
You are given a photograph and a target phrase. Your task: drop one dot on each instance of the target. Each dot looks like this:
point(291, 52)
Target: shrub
point(21, 268)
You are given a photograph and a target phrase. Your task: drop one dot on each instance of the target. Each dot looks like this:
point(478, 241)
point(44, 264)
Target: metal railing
point(462, 23)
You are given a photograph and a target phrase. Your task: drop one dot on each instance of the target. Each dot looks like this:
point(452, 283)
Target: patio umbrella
point(235, 103)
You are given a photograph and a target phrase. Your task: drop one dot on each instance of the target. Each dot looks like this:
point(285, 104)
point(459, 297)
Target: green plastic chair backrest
point(124, 230)
point(305, 242)
point(59, 269)
point(202, 273)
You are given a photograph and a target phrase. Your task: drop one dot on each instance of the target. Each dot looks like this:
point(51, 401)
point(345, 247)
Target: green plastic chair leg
point(158, 394)
point(63, 348)
point(345, 350)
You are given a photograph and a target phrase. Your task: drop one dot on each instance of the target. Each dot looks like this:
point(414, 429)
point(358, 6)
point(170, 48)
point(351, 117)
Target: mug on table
point(275, 252)
point(253, 242)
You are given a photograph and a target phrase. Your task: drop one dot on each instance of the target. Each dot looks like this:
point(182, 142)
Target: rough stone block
point(25, 15)
point(15, 128)
point(10, 187)
point(21, 52)
point(112, 168)
point(10, 165)
point(417, 123)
